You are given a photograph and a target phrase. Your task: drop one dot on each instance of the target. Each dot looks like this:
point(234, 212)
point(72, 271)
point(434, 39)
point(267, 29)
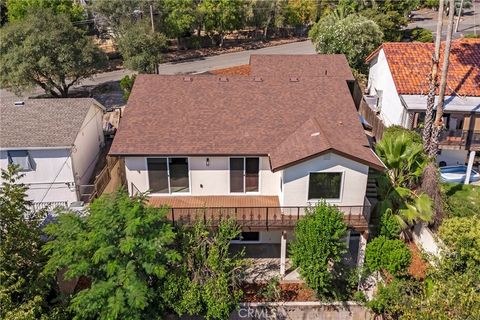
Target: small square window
point(324, 185)
point(20, 158)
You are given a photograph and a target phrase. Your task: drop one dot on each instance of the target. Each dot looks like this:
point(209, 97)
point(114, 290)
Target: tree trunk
point(438, 125)
point(433, 81)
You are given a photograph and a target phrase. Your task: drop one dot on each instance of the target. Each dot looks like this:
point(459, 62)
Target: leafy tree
point(180, 16)
point(206, 281)
point(300, 12)
point(396, 130)
point(318, 246)
point(420, 35)
point(46, 50)
point(355, 36)
point(222, 16)
point(124, 247)
point(24, 290)
point(18, 9)
point(140, 47)
point(126, 83)
point(383, 254)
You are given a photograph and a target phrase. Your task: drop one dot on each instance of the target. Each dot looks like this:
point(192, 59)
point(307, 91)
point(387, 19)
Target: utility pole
point(153, 31)
point(459, 15)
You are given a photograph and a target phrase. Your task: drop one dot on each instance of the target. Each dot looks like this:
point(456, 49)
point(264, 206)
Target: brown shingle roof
point(42, 123)
point(306, 65)
point(243, 115)
point(410, 65)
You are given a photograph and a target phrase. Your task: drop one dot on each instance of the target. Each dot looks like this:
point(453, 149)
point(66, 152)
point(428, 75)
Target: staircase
point(371, 188)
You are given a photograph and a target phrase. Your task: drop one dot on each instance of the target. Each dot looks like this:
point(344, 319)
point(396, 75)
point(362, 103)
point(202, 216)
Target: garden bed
point(418, 267)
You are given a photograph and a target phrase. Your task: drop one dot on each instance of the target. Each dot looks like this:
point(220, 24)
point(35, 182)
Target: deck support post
point(283, 253)
point(471, 158)
point(361, 248)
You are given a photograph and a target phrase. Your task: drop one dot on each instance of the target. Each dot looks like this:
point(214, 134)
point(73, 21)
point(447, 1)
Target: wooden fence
point(372, 118)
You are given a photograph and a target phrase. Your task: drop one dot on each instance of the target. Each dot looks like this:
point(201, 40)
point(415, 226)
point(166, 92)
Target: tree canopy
point(19, 9)
point(318, 247)
point(124, 247)
point(355, 36)
point(46, 50)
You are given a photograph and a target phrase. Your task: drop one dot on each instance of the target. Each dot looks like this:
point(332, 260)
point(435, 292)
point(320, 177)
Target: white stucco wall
point(87, 145)
point(213, 179)
point(49, 165)
point(453, 157)
point(354, 180)
point(380, 78)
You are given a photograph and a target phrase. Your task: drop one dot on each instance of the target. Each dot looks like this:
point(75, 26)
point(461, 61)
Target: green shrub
point(420, 35)
point(393, 299)
point(398, 130)
point(383, 254)
point(389, 226)
point(126, 83)
point(461, 200)
point(472, 36)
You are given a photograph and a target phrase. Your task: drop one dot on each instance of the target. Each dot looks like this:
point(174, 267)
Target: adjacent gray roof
point(42, 123)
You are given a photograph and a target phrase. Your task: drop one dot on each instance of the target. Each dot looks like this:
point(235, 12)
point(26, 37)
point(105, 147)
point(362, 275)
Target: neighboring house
point(56, 143)
point(398, 86)
point(259, 147)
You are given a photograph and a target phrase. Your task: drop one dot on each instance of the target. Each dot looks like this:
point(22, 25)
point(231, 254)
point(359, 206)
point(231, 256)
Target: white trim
point(333, 200)
point(34, 148)
point(169, 193)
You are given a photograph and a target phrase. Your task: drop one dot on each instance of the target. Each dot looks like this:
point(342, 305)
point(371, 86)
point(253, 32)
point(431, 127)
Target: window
point(248, 237)
point(20, 158)
point(168, 175)
point(324, 185)
point(244, 174)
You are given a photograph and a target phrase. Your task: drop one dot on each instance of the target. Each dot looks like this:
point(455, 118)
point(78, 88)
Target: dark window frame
point(244, 175)
point(340, 186)
point(30, 162)
point(169, 182)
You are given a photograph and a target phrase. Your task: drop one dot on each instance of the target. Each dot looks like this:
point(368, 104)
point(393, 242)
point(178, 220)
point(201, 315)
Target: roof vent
point(326, 71)
point(223, 79)
point(294, 79)
point(187, 79)
point(19, 103)
point(257, 79)
point(315, 134)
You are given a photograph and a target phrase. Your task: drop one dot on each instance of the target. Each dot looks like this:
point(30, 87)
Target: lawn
point(461, 200)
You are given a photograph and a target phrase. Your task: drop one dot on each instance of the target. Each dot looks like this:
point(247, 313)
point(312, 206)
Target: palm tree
point(433, 81)
point(399, 196)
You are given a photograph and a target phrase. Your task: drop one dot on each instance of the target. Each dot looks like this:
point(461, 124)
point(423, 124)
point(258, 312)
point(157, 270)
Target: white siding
point(354, 180)
point(49, 165)
point(453, 157)
point(213, 179)
point(380, 78)
point(87, 145)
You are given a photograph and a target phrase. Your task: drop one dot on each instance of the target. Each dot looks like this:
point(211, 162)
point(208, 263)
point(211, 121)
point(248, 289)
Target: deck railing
point(37, 206)
point(263, 217)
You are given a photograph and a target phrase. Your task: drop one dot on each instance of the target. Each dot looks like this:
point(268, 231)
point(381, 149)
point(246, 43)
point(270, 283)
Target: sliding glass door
point(168, 175)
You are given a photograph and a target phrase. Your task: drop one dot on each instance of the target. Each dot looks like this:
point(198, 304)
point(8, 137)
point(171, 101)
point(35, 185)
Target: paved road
point(233, 59)
point(469, 22)
point(191, 66)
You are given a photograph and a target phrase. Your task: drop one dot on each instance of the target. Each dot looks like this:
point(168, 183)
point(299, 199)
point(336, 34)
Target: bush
point(419, 35)
point(390, 255)
point(389, 226)
point(461, 200)
point(394, 299)
point(126, 83)
point(318, 247)
point(398, 130)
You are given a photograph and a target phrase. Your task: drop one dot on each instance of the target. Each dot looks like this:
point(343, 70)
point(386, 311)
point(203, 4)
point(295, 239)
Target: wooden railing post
point(266, 219)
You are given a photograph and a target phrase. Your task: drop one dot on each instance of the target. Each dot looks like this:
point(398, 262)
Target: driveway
point(190, 66)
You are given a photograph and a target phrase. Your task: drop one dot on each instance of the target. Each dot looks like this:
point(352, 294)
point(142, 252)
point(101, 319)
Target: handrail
point(262, 217)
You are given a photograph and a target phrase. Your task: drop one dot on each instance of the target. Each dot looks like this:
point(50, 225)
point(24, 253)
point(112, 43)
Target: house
point(398, 87)
point(260, 147)
point(56, 143)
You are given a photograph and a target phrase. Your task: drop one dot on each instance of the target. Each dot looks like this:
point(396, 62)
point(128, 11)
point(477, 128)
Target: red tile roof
point(410, 65)
point(288, 119)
